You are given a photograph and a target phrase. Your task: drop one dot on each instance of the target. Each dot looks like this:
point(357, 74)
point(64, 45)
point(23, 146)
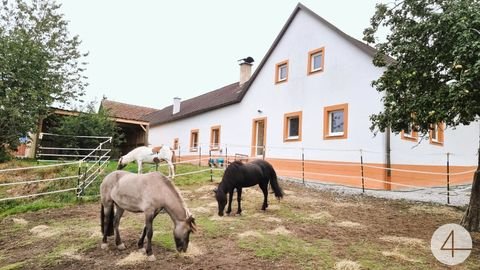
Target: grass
point(308, 255)
point(59, 200)
point(13, 266)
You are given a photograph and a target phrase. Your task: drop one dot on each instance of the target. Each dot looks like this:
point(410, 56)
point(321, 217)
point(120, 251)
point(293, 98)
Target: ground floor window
point(335, 122)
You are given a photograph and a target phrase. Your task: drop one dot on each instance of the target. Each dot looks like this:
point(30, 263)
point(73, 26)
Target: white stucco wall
point(348, 73)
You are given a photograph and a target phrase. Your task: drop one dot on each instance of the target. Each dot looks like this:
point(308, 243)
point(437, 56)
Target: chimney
point(245, 69)
point(176, 105)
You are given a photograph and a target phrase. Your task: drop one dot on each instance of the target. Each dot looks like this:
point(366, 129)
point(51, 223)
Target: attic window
point(281, 72)
point(316, 60)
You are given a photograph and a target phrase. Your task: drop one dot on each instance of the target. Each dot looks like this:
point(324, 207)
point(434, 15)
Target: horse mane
point(177, 193)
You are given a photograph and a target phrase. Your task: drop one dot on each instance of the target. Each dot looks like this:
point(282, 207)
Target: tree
point(40, 64)
point(435, 74)
point(87, 123)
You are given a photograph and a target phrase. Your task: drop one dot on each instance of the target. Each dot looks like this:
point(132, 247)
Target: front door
point(259, 137)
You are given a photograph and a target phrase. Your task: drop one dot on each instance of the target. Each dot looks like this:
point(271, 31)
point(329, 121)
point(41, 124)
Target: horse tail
point(109, 221)
point(277, 190)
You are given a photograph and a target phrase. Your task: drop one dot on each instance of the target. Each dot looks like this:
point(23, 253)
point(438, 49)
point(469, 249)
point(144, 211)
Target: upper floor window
point(316, 60)
point(335, 122)
point(281, 72)
point(292, 130)
point(215, 138)
point(409, 134)
point(194, 140)
point(436, 134)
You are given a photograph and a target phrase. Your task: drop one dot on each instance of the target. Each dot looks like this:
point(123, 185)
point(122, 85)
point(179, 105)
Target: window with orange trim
point(437, 135)
point(281, 72)
point(215, 138)
point(335, 122)
point(292, 127)
point(194, 140)
point(175, 144)
point(316, 60)
point(409, 134)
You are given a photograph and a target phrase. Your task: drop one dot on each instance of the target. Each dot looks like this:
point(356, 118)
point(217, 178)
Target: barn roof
point(125, 111)
point(234, 93)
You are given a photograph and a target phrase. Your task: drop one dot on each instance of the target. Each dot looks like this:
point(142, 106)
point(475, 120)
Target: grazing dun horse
point(238, 175)
point(148, 193)
point(149, 155)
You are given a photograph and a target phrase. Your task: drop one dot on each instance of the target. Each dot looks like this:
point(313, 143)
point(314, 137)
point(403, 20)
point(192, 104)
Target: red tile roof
point(125, 111)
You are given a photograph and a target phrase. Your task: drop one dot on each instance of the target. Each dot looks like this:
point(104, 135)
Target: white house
point(311, 94)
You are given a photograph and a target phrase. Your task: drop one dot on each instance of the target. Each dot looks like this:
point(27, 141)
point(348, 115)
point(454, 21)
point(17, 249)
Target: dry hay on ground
point(272, 219)
point(193, 250)
point(250, 234)
point(349, 224)
point(280, 231)
point(347, 265)
point(134, 257)
point(200, 210)
point(19, 221)
point(206, 189)
point(301, 200)
point(322, 215)
point(397, 255)
point(72, 253)
point(437, 210)
point(44, 231)
point(406, 241)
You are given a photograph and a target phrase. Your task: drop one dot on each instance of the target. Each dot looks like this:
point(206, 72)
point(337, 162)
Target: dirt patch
point(321, 230)
point(347, 265)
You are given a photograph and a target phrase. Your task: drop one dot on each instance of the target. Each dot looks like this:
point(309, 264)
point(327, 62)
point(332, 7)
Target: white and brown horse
point(150, 155)
point(145, 193)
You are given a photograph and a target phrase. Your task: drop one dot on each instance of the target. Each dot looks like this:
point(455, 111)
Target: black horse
point(239, 175)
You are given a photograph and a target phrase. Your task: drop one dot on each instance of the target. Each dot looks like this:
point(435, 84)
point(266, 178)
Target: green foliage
point(87, 123)
point(40, 64)
point(435, 76)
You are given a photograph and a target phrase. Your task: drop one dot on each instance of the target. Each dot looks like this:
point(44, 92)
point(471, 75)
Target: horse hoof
point(151, 258)
point(142, 250)
point(104, 246)
point(121, 246)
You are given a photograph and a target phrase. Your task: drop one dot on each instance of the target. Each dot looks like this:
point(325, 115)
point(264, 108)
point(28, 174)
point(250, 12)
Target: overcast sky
point(146, 52)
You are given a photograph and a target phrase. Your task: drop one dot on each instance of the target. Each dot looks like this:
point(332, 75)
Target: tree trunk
point(471, 218)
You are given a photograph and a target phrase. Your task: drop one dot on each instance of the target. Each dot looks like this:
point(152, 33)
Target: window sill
point(334, 137)
point(292, 139)
point(193, 149)
point(282, 81)
point(436, 143)
point(411, 139)
point(311, 72)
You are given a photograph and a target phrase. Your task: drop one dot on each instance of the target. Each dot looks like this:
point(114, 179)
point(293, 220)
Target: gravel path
point(459, 195)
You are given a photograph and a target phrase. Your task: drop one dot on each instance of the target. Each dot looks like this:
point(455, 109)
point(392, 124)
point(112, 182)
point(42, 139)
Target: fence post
point(199, 156)
point(361, 167)
point(78, 179)
point(448, 178)
point(303, 166)
point(225, 163)
point(179, 154)
point(210, 163)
